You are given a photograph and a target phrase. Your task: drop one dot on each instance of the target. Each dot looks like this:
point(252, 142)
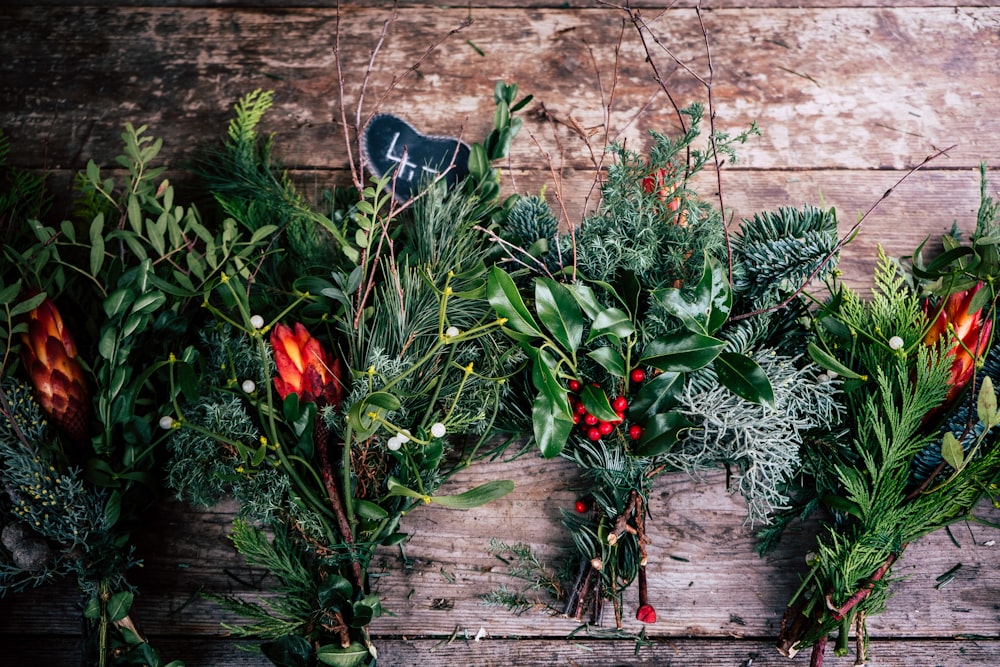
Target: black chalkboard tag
point(391, 143)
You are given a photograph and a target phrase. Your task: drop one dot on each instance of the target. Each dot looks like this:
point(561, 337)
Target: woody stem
point(321, 440)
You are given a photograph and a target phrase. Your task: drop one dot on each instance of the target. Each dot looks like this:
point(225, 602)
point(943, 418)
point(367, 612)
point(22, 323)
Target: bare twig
point(844, 240)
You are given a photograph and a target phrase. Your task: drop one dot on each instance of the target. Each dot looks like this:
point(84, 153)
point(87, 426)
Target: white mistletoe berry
point(166, 422)
point(438, 430)
point(256, 321)
point(896, 343)
point(249, 386)
point(394, 443)
point(451, 332)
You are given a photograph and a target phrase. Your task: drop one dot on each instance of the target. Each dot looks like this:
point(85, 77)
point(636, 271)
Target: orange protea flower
point(49, 355)
point(971, 335)
point(304, 367)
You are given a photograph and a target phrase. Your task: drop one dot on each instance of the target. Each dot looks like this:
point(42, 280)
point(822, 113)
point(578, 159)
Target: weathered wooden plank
point(645, 5)
point(705, 578)
point(47, 651)
point(815, 79)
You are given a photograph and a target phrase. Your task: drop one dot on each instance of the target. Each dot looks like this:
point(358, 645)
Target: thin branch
point(844, 240)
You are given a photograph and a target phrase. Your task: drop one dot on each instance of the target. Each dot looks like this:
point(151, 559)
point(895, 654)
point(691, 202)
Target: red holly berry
point(590, 420)
point(635, 431)
point(637, 375)
point(605, 427)
point(646, 614)
point(576, 418)
point(580, 409)
point(574, 385)
point(593, 433)
point(581, 506)
point(620, 404)
point(621, 417)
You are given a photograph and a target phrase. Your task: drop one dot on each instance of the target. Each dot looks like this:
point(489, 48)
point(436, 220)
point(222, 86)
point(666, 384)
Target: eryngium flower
point(49, 355)
point(971, 336)
point(304, 367)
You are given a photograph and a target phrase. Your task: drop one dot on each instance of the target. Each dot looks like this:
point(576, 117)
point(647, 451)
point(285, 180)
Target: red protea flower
point(49, 356)
point(971, 335)
point(304, 367)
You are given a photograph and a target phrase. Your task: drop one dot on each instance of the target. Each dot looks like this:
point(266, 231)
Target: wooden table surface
point(850, 96)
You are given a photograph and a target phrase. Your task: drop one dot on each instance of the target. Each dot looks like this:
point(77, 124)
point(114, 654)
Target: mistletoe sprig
point(333, 399)
point(918, 367)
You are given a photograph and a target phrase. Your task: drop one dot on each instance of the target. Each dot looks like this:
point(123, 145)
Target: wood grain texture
point(849, 96)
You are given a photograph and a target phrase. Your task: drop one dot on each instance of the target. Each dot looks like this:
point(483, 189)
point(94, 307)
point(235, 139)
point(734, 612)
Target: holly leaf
point(744, 377)
point(503, 296)
point(596, 402)
point(681, 353)
point(559, 312)
point(610, 359)
point(662, 433)
point(710, 301)
point(656, 396)
point(550, 424)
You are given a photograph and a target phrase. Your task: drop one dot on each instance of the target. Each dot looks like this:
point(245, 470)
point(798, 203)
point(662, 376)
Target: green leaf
point(550, 425)
point(710, 304)
point(826, 360)
point(662, 433)
point(8, 293)
point(683, 352)
point(27, 305)
point(744, 377)
point(507, 302)
point(118, 301)
point(477, 496)
point(394, 488)
point(96, 244)
point(951, 450)
point(611, 321)
point(596, 402)
point(93, 609)
point(559, 312)
point(353, 655)
point(986, 403)
point(369, 510)
point(479, 163)
point(655, 396)
point(119, 605)
point(289, 651)
point(610, 359)
point(544, 375)
point(113, 507)
point(334, 591)
point(584, 295)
